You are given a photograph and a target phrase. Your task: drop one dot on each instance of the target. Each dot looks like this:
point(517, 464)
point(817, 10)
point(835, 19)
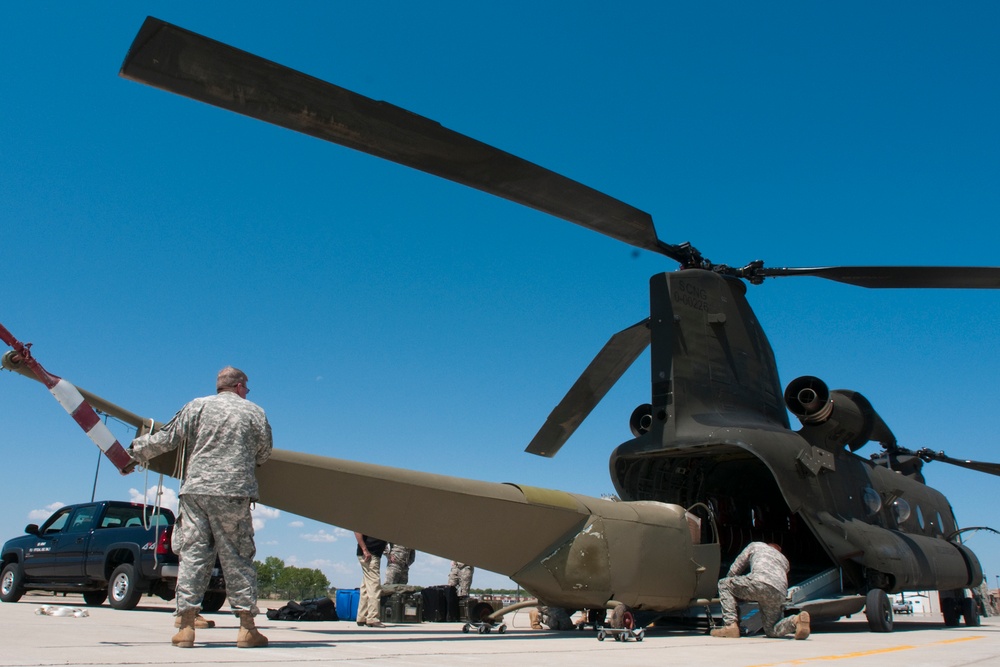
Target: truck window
point(83, 519)
point(128, 515)
point(58, 522)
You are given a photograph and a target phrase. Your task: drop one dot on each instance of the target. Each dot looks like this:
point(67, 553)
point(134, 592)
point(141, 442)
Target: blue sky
point(388, 316)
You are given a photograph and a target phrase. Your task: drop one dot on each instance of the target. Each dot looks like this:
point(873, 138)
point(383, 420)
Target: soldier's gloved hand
point(144, 428)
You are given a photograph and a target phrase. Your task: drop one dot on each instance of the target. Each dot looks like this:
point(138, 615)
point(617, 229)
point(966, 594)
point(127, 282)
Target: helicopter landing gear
point(878, 611)
point(622, 626)
point(955, 608)
point(970, 612)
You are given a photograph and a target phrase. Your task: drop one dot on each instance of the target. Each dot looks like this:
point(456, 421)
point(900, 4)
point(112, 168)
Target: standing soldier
point(461, 577)
point(219, 440)
point(398, 561)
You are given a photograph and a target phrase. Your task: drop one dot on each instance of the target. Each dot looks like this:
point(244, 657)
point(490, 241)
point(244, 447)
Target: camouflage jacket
point(220, 439)
point(766, 564)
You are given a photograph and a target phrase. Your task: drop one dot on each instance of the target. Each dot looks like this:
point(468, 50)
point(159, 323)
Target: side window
point(83, 519)
point(58, 522)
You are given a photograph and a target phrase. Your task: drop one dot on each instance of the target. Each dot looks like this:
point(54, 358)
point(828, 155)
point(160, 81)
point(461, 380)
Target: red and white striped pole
point(73, 402)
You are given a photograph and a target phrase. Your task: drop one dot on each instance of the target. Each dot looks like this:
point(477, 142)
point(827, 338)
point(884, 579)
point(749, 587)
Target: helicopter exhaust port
point(808, 398)
point(641, 420)
point(832, 419)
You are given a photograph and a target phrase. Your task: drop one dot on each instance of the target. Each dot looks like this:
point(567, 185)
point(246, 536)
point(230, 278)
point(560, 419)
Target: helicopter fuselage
point(717, 433)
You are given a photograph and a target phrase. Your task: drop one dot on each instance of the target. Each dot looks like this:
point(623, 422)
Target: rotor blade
point(608, 366)
point(179, 61)
point(941, 277)
point(485, 520)
point(981, 466)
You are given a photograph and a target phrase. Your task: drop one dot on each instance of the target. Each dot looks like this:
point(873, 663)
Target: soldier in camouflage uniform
point(461, 577)
point(767, 585)
point(556, 618)
point(219, 440)
point(398, 561)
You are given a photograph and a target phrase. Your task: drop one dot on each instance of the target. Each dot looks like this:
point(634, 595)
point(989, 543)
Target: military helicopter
point(714, 463)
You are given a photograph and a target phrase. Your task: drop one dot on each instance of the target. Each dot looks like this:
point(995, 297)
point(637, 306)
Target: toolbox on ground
point(441, 604)
point(403, 607)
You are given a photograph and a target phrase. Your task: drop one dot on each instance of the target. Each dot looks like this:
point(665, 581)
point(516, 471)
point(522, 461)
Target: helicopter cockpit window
point(920, 518)
point(900, 510)
point(940, 524)
point(873, 501)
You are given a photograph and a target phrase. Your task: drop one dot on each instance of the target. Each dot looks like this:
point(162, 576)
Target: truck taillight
point(163, 544)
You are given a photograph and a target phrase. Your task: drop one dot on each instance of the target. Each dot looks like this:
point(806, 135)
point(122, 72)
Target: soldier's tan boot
point(200, 622)
point(731, 631)
point(533, 616)
point(185, 636)
point(802, 625)
point(248, 636)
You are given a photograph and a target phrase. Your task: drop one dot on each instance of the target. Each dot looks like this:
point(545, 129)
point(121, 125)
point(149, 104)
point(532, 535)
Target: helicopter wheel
point(621, 617)
point(951, 609)
point(970, 612)
point(878, 611)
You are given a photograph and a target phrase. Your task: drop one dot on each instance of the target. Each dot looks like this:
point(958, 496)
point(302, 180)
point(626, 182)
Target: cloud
point(261, 513)
point(168, 499)
point(39, 516)
point(321, 536)
point(296, 524)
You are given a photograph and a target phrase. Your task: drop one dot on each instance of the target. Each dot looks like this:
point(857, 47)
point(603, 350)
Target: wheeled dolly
point(485, 627)
point(621, 634)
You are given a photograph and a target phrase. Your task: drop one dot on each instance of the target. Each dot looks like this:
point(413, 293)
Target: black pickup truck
point(107, 550)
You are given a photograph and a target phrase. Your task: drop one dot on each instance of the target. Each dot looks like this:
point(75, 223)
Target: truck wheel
point(95, 598)
point(213, 601)
point(123, 588)
point(10, 583)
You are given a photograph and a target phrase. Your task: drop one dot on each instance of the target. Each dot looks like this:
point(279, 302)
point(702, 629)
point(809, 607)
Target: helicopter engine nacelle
point(832, 419)
point(641, 420)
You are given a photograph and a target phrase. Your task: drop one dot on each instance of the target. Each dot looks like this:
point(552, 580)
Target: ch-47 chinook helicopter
point(714, 463)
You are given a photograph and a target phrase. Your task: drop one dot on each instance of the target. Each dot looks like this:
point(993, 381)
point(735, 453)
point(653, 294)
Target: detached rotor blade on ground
point(179, 61)
point(617, 355)
point(940, 277)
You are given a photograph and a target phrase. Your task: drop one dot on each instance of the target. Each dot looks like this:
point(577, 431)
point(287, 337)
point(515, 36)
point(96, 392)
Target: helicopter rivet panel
point(815, 460)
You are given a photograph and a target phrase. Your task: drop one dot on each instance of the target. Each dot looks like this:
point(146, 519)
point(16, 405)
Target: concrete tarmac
point(142, 637)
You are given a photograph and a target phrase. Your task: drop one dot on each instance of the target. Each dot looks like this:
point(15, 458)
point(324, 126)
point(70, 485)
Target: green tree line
point(286, 582)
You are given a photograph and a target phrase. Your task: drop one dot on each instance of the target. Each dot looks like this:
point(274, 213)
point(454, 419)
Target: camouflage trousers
point(397, 564)
point(397, 573)
point(733, 590)
point(556, 618)
point(208, 527)
point(461, 578)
